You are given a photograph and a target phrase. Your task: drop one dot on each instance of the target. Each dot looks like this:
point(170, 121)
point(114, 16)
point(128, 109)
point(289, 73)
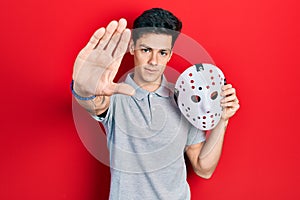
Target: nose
point(153, 58)
point(205, 105)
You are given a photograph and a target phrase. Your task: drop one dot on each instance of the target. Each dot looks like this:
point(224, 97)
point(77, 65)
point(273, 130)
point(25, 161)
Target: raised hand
point(98, 62)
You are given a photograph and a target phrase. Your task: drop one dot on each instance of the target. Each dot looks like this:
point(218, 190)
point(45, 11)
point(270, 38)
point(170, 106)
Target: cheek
point(162, 69)
point(163, 61)
point(138, 59)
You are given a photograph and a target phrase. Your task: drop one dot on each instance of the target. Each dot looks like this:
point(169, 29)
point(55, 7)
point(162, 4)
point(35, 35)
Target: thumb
point(123, 88)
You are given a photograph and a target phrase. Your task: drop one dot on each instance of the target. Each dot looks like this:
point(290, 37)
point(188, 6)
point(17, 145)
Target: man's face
point(151, 54)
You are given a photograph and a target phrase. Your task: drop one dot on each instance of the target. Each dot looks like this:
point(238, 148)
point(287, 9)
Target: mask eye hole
point(214, 95)
point(196, 98)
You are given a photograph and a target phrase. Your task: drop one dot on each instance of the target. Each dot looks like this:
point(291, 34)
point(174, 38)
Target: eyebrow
point(146, 46)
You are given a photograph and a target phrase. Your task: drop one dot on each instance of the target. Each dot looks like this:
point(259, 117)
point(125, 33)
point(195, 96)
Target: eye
point(145, 50)
point(196, 98)
point(214, 95)
point(163, 53)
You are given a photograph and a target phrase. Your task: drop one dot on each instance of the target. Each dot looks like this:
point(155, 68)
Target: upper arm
point(193, 152)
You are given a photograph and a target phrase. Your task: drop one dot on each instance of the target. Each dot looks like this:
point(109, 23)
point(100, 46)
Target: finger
point(229, 104)
point(122, 25)
point(227, 86)
point(111, 46)
point(234, 108)
point(227, 92)
point(229, 98)
point(123, 44)
point(95, 39)
point(110, 29)
point(123, 88)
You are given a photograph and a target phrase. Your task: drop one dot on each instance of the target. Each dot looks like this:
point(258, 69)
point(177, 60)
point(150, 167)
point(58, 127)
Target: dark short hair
point(156, 20)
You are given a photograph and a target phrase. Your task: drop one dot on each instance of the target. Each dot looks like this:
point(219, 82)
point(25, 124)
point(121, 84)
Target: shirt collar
point(165, 89)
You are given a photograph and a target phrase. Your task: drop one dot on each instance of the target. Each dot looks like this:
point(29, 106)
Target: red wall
point(256, 43)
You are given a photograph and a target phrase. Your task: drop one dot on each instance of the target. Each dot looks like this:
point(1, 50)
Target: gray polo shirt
point(146, 137)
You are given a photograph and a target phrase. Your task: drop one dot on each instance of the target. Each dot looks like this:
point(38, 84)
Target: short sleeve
point(101, 119)
point(195, 136)
point(105, 119)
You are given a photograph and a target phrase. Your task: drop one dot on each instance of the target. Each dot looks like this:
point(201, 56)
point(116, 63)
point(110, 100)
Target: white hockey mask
point(198, 91)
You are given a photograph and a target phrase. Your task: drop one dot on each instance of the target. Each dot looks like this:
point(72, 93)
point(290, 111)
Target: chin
point(151, 77)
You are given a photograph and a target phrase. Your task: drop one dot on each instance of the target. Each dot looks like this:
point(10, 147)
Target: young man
point(146, 133)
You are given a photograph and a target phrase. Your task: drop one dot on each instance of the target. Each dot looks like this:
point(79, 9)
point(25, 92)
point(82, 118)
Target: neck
point(150, 87)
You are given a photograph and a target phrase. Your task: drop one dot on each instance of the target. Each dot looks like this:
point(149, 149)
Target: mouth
point(150, 70)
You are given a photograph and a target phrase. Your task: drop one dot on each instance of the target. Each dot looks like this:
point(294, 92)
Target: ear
point(131, 47)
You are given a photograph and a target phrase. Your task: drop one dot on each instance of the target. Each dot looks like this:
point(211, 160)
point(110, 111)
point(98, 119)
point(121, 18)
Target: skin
point(151, 55)
point(102, 57)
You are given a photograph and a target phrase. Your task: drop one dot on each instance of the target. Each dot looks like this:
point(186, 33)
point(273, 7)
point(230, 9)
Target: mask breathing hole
point(195, 98)
point(214, 95)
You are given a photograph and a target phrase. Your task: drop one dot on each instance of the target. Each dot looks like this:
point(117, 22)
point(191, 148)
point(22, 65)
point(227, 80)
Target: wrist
point(221, 126)
point(79, 95)
point(224, 120)
point(223, 123)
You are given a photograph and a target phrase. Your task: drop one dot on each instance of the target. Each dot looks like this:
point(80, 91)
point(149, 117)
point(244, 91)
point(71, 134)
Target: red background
point(256, 43)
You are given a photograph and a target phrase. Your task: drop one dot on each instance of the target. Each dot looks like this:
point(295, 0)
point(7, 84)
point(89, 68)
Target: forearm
point(205, 156)
point(211, 151)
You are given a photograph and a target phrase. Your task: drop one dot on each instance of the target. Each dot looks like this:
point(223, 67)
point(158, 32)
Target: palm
point(97, 64)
